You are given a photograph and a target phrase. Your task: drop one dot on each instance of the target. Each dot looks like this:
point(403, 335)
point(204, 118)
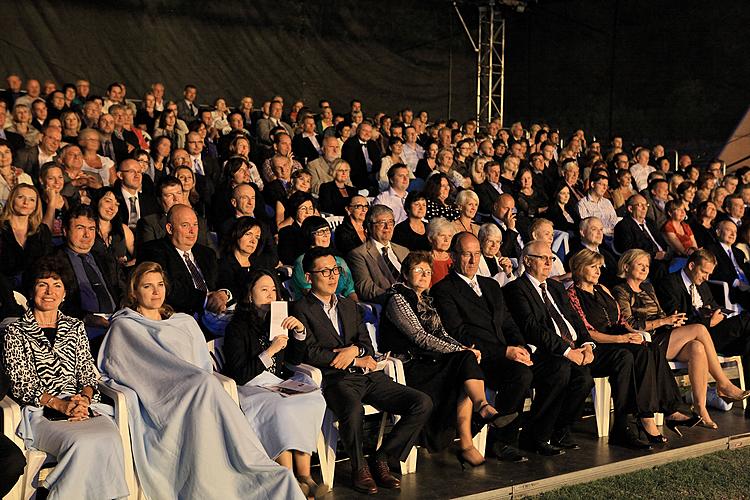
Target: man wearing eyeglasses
point(376, 264)
point(564, 360)
point(338, 343)
point(636, 231)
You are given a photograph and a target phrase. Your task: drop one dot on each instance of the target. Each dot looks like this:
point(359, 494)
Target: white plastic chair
point(215, 349)
point(35, 471)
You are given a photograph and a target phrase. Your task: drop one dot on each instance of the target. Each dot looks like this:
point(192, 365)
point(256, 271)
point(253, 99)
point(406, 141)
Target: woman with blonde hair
point(691, 344)
point(654, 389)
point(23, 237)
point(182, 440)
point(467, 202)
point(9, 175)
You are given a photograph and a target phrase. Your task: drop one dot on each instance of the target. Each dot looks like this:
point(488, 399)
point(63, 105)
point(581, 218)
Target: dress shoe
point(363, 482)
point(464, 458)
point(564, 441)
point(674, 425)
point(627, 439)
point(542, 448)
point(506, 453)
point(383, 475)
point(734, 399)
point(313, 489)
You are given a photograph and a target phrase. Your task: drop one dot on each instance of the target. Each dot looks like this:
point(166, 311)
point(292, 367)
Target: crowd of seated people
point(488, 258)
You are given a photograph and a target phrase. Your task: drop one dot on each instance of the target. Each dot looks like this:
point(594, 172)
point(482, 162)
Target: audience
point(116, 193)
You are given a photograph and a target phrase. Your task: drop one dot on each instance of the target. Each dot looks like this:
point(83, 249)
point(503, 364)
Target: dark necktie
point(198, 281)
point(106, 305)
point(391, 267)
point(556, 317)
point(133, 212)
point(107, 149)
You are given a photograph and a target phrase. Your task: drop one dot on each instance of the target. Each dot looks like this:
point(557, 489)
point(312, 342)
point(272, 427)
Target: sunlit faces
point(382, 227)
point(183, 228)
point(263, 291)
point(491, 245)
point(80, 234)
point(48, 293)
point(591, 273)
point(638, 270)
point(108, 206)
point(469, 254)
point(248, 242)
point(324, 276)
point(171, 196)
point(304, 211)
point(419, 276)
point(150, 292)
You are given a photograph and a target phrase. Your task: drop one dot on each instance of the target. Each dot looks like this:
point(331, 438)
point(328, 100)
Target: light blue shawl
point(190, 440)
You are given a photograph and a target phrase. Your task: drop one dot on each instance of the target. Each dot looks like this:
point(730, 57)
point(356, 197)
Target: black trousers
point(12, 463)
point(512, 381)
point(628, 370)
point(345, 394)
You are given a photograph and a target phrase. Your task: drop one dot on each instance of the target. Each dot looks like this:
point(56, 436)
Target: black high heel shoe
point(497, 421)
point(463, 461)
point(658, 439)
point(674, 425)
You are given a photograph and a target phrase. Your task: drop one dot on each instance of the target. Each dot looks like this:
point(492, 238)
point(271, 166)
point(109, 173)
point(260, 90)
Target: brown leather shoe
point(383, 475)
point(363, 482)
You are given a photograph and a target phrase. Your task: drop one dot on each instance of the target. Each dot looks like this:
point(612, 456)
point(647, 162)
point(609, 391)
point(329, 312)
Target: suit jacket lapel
point(322, 319)
point(378, 259)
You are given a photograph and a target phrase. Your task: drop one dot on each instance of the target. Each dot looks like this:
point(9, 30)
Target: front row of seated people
point(190, 440)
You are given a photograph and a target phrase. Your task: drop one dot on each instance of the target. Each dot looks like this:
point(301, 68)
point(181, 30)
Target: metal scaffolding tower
point(490, 50)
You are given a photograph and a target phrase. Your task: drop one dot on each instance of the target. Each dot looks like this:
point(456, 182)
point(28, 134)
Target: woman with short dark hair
point(54, 378)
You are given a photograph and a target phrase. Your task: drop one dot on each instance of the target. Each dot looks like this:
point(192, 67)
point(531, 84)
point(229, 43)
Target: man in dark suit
point(564, 359)
point(657, 198)
point(687, 292)
point(12, 461)
point(307, 145)
point(338, 343)
point(134, 201)
point(154, 226)
point(635, 231)
point(30, 160)
point(731, 266)
point(187, 111)
point(123, 140)
point(98, 282)
point(472, 308)
point(192, 268)
point(203, 165)
point(490, 190)
point(591, 236)
point(363, 156)
point(504, 216)
point(373, 274)
point(114, 148)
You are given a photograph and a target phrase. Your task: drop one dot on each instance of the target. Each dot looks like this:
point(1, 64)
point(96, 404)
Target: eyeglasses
point(322, 231)
point(423, 271)
point(306, 209)
point(360, 206)
point(384, 223)
point(549, 259)
point(326, 273)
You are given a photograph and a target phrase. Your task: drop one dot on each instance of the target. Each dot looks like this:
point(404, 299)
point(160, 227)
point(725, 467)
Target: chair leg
point(480, 440)
point(330, 437)
point(34, 462)
point(740, 369)
point(602, 395)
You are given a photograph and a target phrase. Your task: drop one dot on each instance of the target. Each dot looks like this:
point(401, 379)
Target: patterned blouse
point(422, 325)
point(638, 307)
point(35, 366)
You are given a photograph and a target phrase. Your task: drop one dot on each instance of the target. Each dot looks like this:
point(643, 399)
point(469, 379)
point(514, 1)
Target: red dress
point(440, 269)
point(686, 238)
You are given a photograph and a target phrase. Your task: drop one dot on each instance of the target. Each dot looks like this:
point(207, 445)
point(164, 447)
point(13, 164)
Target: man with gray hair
point(376, 264)
point(322, 168)
point(591, 236)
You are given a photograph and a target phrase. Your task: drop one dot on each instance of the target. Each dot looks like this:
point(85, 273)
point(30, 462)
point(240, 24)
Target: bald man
point(192, 268)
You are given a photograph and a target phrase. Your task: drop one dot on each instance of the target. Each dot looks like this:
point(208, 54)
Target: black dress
point(434, 362)
point(655, 387)
point(405, 236)
point(246, 337)
point(346, 237)
point(290, 247)
point(703, 237)
point(15, 260)
point(233, 276)
point(555, 215)
point(330, 199)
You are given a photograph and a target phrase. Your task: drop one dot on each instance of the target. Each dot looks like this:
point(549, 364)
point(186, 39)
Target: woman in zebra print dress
point(53, 377)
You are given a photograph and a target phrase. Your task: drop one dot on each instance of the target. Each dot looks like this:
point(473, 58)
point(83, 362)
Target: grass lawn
point(722, 475)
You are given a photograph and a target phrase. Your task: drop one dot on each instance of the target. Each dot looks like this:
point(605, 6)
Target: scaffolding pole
point(490, 51)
